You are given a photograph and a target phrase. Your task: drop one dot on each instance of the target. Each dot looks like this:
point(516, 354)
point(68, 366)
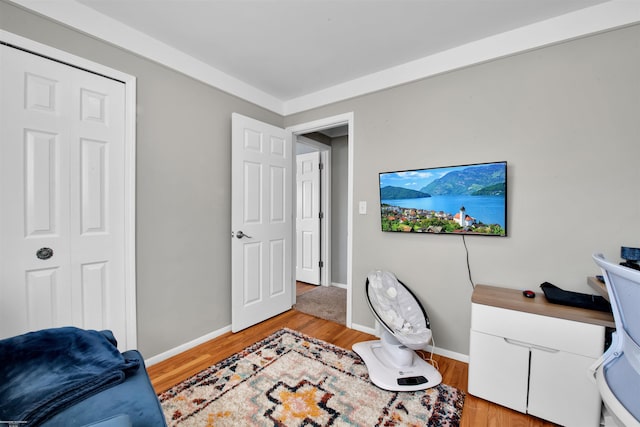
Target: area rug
point(290, 379)
point(326, 302)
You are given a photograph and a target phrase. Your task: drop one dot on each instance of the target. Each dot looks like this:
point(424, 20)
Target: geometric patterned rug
point(290, 379)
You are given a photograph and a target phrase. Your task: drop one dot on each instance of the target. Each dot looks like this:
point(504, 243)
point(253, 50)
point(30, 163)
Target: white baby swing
point(392, 362)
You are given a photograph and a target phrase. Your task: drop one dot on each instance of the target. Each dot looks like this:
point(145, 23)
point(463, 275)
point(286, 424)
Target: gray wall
point(565, 117)
point(339, 205)
point(183, 187)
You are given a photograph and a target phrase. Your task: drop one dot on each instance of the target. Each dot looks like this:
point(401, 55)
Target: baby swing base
point(395, 367)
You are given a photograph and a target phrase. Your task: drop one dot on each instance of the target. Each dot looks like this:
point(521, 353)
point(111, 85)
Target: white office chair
point(617, 373)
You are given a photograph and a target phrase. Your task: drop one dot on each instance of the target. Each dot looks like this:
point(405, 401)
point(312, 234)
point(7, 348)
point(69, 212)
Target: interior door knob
point(240, 235)
point(44, 253)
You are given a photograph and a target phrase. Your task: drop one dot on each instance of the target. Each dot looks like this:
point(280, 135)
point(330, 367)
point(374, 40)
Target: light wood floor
point(303, 288)
point(476, 412)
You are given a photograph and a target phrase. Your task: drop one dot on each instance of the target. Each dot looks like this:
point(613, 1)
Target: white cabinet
point(498, 371)
point(524, 358)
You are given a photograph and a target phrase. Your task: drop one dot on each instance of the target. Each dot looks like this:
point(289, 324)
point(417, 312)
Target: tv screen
point(464, 199)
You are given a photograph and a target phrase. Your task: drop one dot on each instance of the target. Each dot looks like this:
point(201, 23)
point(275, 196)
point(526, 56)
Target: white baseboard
point(215, 334)
point(450, 354)
point(186, 346)
point(366, 329)
point(440, 351)
point(339, 285)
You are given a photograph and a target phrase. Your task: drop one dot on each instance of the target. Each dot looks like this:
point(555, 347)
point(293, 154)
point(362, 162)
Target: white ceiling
point(289, 50)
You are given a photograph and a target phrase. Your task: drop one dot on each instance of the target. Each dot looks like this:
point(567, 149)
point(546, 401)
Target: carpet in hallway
point(326, 302)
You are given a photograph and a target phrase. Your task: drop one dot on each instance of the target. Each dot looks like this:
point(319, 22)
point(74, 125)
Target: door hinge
point(321, 264)
point(321, 215)
point(320, 166)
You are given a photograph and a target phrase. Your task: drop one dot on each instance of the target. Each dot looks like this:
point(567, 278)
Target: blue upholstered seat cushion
point(44, 372)
point(135, 397)
point(624, 383)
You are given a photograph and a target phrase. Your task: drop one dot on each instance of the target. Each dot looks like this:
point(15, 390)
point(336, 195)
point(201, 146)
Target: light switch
point(362, 208)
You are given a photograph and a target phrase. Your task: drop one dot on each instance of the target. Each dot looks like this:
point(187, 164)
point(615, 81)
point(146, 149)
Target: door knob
point(44, 253)
point(240, 235)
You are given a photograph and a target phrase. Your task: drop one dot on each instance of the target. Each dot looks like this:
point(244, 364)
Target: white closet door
point(308, 218)
point(62, 134)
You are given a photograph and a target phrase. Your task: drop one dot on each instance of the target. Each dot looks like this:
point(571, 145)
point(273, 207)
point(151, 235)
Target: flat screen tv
point(464, 199)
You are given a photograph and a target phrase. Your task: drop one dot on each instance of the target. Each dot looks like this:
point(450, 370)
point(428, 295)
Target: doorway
point(332, 138)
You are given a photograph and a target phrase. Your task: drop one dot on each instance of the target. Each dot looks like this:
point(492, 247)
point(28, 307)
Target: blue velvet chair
point(617, 373)
point(69, 377)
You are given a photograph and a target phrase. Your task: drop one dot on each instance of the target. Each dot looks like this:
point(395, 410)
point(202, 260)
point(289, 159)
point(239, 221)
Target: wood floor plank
point(476, 412)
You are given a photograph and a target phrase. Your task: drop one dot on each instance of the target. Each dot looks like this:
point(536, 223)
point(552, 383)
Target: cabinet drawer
point(544, 331)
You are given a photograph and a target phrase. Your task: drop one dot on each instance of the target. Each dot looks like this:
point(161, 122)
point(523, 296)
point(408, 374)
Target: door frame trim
point(130, 341)
point(317, 125)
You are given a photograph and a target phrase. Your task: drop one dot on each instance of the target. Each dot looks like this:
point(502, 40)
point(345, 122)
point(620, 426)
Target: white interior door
point(62, 245)
point(261, 221)
point(308, 218)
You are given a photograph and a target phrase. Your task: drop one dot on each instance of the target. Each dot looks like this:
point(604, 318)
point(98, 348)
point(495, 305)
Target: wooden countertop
point(513, 299)
point(598, 286)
